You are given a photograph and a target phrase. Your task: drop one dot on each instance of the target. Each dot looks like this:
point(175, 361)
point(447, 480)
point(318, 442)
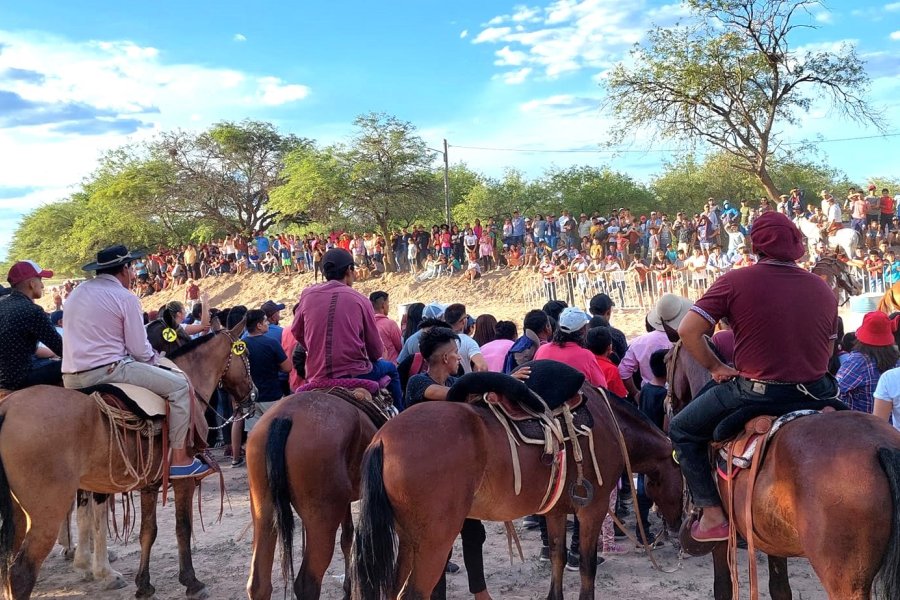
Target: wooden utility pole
point(447, 183)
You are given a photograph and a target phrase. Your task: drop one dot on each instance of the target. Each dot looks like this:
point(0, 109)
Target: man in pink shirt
point(387, 327)
point(567, 346)
point(336, 325)
point(104, 341)
point(670, 309)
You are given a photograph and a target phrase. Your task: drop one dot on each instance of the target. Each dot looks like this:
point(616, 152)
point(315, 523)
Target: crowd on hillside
point(699, 245)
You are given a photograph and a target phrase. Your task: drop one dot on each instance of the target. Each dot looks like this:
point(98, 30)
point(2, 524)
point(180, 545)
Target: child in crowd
point(599, 341)
point(874, 267)
point(652, 404)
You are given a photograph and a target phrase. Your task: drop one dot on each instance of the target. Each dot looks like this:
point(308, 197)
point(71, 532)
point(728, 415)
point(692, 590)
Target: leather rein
point(246, 405)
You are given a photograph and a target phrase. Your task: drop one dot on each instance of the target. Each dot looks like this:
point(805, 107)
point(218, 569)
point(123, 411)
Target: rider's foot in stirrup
point(715, 533)
point(197, 468)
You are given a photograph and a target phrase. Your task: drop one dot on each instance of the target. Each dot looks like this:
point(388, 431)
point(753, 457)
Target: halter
point(247, 405)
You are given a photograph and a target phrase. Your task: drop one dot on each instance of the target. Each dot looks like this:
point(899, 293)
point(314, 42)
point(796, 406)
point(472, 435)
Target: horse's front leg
point(779, 586)
point(721, 572)
point(102, 571)
point(148, 535)
point(184, 495)
point(64, 537)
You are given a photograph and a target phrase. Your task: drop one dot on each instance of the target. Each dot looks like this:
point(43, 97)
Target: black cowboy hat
point(112, 257)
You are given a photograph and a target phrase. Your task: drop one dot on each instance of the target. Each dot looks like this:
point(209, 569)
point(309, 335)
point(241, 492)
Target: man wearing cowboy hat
point(779, 344)
point(104, 341)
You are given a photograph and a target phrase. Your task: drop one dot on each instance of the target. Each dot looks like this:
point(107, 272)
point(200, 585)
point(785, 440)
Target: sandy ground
point(222, 551)
point(222, 556)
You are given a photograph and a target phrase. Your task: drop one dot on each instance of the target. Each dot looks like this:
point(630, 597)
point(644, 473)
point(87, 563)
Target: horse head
point(836, 274)
point(235, 376)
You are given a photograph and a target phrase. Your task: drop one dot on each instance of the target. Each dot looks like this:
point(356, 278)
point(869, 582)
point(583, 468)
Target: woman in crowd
point(874, 353)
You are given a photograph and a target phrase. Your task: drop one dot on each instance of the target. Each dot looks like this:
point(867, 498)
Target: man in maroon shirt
point(785, 323)
point(336, 325)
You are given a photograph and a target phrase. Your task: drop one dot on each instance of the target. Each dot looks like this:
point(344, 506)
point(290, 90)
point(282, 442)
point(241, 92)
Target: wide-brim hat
point(113, 256)
point(669, 310)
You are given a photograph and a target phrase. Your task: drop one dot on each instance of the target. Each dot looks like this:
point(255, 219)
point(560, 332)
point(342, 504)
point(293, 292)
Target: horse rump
point(887, 581)
point(374, 551)
point(280, 490)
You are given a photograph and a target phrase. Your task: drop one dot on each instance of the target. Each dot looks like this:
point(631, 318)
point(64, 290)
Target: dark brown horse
point(438, 463)
point(305, 452)
point(40, 472)
point(829, 490)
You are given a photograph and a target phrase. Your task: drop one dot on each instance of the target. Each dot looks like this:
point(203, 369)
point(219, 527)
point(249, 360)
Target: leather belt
point(106, 366)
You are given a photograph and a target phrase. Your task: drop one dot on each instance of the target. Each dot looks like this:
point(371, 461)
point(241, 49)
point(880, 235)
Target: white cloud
point(491, 34)
point(239, 37)
point(274, 92)
point(516, 77)
point(824, 16)
point(511, 58)
point(463, 34)
point(895, 35)
point(892, 7)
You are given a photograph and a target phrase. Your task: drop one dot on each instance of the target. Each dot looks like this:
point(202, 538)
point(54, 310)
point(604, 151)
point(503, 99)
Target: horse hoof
point(68, 553)
point(111, 555)
point(200, 593)
point(114, 582)
point(86, 575)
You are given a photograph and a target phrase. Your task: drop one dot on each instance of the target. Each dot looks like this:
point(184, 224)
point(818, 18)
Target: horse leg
point(265, 536)
point(184, 495)
point(84, 522)
point(320, 524)
point(722, 574)
point(43, 527)
point(779, 587)
point(102, 571)
point(423, 556)
point(556, 538)
point(590, 523)
point(64, 537)
point(148, 535)
point(347, 549)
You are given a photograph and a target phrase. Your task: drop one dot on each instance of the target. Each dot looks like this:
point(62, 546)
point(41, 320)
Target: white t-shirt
point(888, 389)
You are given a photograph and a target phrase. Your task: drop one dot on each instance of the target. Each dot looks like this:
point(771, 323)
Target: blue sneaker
point(198, 468)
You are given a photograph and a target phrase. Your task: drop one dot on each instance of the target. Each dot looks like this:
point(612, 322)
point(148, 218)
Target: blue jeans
point(380, 369)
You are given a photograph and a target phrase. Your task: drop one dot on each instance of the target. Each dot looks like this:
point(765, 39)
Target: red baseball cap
point(26, 269)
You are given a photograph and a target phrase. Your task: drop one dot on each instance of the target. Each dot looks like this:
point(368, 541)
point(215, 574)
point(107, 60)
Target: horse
point(836, 274)
point(438, 463)
point(846, 237)
point(40, 474)
point(306, 451)
point(810, 487)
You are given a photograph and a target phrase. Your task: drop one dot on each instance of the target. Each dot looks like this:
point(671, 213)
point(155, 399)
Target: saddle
point(371, 397)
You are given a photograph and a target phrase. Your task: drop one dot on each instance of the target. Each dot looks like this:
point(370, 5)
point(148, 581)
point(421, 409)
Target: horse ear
point(238, 329)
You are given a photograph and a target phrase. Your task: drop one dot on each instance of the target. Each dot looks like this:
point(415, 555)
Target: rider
point(779, 344)
point(336, 324)
point(105, 342)
point(22, 325)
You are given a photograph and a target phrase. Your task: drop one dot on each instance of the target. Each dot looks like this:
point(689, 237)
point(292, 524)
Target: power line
point(648, 150)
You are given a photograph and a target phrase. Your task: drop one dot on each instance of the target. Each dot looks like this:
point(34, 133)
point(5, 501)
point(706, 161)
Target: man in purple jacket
point(336, 325)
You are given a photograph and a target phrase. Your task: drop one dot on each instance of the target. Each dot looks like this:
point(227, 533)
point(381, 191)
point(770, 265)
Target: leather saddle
point(371, 397)
point(140, 402)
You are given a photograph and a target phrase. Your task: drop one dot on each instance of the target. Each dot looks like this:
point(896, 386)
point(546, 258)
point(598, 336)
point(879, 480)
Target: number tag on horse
point(169, 334)
point(238, 348)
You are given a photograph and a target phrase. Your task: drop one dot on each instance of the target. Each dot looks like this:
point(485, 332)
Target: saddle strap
point(513, 442)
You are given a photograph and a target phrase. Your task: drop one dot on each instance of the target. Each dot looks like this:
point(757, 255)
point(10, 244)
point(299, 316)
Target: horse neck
point(646, 444)
point(203, 365)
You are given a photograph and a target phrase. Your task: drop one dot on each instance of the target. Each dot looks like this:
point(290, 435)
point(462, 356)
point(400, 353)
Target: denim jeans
point(692, 429)
point(383, 368)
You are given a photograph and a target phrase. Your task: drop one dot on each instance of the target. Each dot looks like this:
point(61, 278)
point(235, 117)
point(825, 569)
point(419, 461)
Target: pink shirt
point(104, 324)
point(289, 344)
point(576, 357)
point(637, 357)
point(494, 354)
point(390, 337)
point(337, 327)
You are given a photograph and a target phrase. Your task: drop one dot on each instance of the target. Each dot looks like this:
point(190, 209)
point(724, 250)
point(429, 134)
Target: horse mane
point(190, 346)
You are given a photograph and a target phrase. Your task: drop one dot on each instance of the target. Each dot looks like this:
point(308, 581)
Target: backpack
point(520, 345)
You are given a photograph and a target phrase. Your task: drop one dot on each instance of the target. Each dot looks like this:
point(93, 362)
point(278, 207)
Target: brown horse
point(440, 462)
point(40, 473)
point(305, 451)
point(824, 491)
point(837, 275)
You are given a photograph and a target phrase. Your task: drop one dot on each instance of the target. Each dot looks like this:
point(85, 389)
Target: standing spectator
point(669, 311)
point(887, 397)
point(601, 305)
point(485, 329)
point(272, 311)
point(495, 351)
point(568, 346)
point(599, 341)
point(873, 204)
point(874, 353)
point(267, 361)
point(387, 328)
point(887, 210)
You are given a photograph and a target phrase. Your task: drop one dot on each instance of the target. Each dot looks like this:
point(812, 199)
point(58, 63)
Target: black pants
point(473, 536)
point(48, 374)
point(692, 429)
point(576, 534)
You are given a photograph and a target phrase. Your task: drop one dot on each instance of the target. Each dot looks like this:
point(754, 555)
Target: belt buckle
point(758, 387)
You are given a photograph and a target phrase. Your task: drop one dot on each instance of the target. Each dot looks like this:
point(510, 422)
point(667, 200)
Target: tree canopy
point(731, 79)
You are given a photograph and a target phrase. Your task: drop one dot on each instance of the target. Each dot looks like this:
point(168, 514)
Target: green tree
point(381, 178)
point(730, 80)
point(585, 189)
point(44, 235)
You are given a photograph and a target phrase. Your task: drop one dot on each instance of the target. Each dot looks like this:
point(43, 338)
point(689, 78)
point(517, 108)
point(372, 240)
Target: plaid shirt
point(857, 379)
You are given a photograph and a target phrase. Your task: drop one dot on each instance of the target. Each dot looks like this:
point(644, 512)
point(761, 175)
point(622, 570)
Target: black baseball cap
point(600, 303)
point(336, 259)
point(270, 307)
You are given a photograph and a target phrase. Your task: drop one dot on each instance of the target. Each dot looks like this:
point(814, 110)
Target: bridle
point(247, 405)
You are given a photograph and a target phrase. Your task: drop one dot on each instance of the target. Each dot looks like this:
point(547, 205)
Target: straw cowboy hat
point(669, 310)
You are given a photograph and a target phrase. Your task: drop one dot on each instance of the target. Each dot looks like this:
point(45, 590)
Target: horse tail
point(887, 582)
point(374, 550)
point(7, 524)
point(280, 490)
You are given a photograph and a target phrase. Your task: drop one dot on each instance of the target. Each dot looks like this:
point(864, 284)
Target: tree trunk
point(762, 173)
point(389, 266)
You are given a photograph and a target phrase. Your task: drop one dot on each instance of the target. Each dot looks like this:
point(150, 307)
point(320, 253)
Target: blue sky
point(77, 78)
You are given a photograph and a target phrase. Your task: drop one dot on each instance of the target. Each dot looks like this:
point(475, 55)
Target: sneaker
point(618, 533)
point(238, 462)
point(545, 554)
point(197, 468)
point(531, 522)
point(573, 561)
point(615, 549)
point(452, 568)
